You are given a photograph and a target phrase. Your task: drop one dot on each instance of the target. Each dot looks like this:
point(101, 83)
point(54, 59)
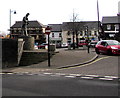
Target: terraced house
point(111, 27)
point(56, 34)
point(34, 29)
point(79, 31)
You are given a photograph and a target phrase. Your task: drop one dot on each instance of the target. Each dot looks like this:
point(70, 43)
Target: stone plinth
point(29, 42)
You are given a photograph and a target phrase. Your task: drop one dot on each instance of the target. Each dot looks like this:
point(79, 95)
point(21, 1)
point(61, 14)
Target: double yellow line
point(88, 63)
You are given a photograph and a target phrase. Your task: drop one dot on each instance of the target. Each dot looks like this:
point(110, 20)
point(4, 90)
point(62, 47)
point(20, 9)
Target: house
point(56, 34)
point(82, 30)
point(34, 29)
point(111, 26)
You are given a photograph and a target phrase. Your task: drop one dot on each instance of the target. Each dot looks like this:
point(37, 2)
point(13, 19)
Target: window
point(68, 40)
point(81, 33)
point(52, 34)
point(68, 33)
point(117, 27)
point(108, 27)
point(60, 35)
point(95, 33)
point(90, 33)
point(104, 43)
point(85, 32)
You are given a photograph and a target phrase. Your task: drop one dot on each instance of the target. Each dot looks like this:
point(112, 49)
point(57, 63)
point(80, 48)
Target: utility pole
point(73, 31)
point(98, 20)
point(88, 40)
point(74, 18)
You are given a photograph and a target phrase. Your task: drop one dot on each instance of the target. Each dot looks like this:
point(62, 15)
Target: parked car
point(108, 47)
point(81, 43)
point(35, 47)
point(42, 46)
point(92, 44)
point(64, 45)
point(71, 45)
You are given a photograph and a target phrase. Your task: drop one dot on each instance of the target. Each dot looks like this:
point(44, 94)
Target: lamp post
point(11, 11)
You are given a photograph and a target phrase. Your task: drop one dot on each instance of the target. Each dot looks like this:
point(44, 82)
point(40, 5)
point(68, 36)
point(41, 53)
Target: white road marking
point(70, 76)
point(75, 74)
point(105, 79)
point(47, 73)
point(92, 75)
point(2, 73)
point(60, 74)
point(111, 77)
point(87, 77)
point(9, 73)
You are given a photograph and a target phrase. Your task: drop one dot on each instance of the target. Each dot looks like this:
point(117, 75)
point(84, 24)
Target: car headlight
point(114, 48)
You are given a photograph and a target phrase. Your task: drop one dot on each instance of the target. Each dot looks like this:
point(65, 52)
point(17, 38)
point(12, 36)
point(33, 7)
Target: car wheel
point(97, 51)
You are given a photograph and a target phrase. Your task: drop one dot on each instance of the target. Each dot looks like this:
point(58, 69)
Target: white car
point(64, 45)
point(35, 47)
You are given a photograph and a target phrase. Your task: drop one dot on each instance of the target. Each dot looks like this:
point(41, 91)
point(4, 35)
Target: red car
point(42, 46)
point(82, 43)
point(108, 47)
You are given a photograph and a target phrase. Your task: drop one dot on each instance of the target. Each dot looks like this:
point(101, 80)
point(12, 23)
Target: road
point(56, 85)
point(104, 65)
point(98, 78)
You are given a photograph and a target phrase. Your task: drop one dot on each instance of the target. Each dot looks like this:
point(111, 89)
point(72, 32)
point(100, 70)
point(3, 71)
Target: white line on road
point(87, 77)
point(111, 77)
point(105, 78)
point(92, 75)
point(70, 76)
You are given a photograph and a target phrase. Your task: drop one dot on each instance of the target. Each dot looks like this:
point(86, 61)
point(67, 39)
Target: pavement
point(62, 59)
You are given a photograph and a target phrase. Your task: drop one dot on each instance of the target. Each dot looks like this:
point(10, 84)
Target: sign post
point(48, 31)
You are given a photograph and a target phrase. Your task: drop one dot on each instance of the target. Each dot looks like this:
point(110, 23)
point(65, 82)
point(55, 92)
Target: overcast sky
point(55, 11)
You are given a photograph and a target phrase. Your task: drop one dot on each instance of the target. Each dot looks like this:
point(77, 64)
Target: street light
point(11, 11)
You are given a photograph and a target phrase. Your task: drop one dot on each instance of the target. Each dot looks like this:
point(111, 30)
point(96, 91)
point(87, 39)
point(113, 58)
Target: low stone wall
point(17, 52)
point(33, 57)
point(52, 48)
point(11, 52)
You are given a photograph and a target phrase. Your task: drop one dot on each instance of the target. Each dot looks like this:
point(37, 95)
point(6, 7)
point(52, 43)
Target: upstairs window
point(81, 33)
point(68, 33)
point(52, 34)
point(95, 33)
point(117, 27)
point(108, 27)
point(60, 35)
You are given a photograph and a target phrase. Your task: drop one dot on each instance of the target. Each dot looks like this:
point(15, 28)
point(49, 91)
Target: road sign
point(47, 30)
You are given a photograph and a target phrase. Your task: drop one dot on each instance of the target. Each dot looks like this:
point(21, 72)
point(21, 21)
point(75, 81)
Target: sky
point(54, 11)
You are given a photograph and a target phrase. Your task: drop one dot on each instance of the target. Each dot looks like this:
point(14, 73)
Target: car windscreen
point(113, 43)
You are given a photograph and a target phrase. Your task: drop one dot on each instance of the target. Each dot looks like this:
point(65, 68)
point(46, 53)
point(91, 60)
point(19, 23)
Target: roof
point(80, 25)
point(32, 24)
point(56, 27)
point(110, 19)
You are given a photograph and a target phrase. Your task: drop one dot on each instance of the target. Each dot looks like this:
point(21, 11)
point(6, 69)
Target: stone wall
point(16, 53)
point(11, 49)
point(32, 57)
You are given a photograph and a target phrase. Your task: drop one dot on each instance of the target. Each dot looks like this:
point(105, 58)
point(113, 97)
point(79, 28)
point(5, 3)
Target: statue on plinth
point(24, 24)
